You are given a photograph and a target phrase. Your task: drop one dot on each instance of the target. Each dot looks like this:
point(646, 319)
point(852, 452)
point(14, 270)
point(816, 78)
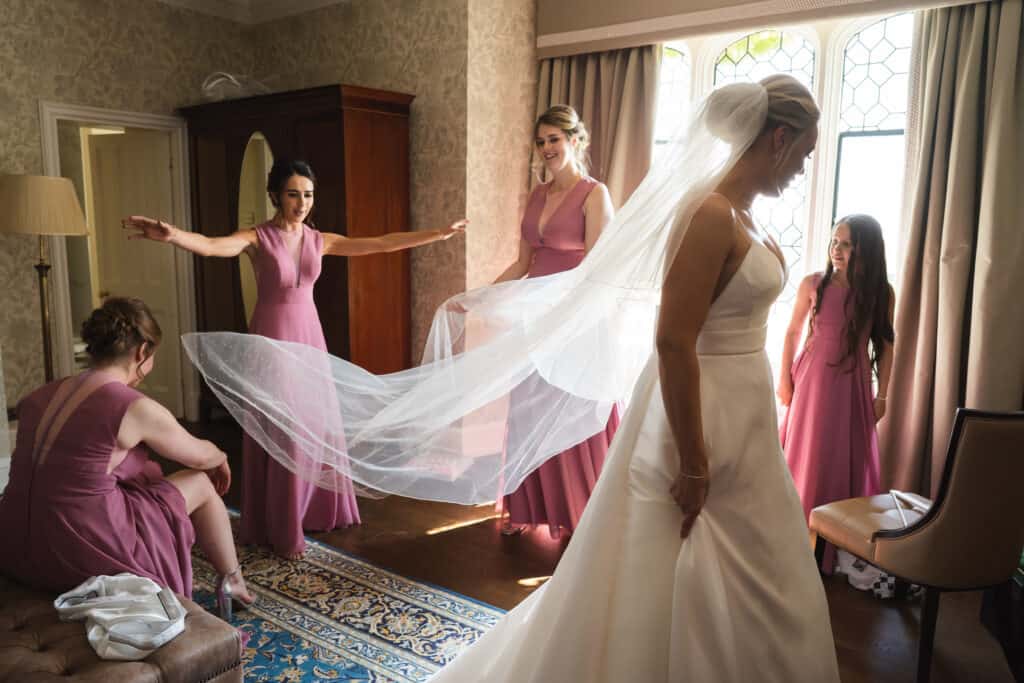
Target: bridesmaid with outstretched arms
point(563, 219)
point(286, 254)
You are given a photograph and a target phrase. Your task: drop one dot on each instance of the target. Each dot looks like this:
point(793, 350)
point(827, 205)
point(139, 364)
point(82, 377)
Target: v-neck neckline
point(296, 262)
point(542, 230)
point(764, 238)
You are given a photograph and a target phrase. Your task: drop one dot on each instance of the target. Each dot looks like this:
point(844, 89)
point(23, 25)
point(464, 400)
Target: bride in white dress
point(691, 562)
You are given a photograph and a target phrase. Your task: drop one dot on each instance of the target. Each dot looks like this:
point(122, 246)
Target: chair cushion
point(850, 524)
point(36, 646)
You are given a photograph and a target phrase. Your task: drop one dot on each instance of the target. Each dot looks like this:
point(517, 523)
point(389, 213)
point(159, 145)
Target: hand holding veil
point(568, 345)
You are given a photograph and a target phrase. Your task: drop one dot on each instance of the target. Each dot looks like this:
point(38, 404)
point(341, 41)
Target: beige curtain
point(615, 94)
point(960, 307)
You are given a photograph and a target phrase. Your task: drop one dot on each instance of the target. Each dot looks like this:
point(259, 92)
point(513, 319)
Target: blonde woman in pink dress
point(277, 506)
point(563, 219)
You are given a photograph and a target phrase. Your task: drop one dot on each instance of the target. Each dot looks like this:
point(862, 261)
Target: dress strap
point(69, 396)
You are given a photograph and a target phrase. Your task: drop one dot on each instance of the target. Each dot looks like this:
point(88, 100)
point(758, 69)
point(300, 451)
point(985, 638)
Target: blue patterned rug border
point(484, 617)
point(461, 608)
point(327, 633)
point(372, 620)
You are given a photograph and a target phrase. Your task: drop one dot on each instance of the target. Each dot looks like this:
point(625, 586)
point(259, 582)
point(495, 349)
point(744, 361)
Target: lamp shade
point(40, 205)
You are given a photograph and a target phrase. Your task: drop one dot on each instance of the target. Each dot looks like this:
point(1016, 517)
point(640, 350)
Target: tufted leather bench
point(36, 646)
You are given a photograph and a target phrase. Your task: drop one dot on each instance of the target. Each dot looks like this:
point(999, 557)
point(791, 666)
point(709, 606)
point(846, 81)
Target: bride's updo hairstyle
point(790, 104)
point(117, 328)
point(778, 100)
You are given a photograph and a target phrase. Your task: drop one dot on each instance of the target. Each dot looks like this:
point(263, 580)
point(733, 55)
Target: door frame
point(50, 113)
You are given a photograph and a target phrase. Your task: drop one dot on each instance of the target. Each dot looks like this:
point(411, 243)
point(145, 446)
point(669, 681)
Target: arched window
point(872, 120)
point(673, 92)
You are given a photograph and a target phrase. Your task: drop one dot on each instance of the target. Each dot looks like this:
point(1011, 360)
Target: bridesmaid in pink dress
point(828, 431)
point(563, 219)
point(286, 254)
point(84, 499)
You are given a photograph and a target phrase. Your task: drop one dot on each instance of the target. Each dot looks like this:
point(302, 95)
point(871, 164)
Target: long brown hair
point(868, 296)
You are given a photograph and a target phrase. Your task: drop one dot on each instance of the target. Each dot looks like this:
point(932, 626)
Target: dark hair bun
point(117, 328)
point(281, 171)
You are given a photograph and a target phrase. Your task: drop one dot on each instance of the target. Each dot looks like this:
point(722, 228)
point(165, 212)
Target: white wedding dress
point(740, 599)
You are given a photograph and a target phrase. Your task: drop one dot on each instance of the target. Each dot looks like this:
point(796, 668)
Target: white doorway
point(123, 163)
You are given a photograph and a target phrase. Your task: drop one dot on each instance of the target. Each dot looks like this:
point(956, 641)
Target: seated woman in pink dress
point(286, 255)
point(84, 499)
point(563, 219)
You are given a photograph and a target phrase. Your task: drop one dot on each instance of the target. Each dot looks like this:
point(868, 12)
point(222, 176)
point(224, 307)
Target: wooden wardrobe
point(357, 142)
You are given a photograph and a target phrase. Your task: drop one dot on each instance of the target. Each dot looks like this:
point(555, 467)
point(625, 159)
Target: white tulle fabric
point(446, 430)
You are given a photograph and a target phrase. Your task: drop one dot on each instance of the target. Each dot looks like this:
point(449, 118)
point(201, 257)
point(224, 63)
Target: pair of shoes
point(226, 597)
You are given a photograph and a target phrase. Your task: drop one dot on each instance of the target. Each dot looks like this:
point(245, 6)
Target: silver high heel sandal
point(226, 597)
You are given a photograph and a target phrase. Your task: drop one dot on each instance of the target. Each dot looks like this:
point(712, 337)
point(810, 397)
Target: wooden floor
point(460, 548)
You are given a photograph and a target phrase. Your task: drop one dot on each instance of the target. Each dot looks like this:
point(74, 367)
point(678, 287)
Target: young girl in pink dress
point(828, 431)
point(84, 498)
point(286, 254)
point(563, 219)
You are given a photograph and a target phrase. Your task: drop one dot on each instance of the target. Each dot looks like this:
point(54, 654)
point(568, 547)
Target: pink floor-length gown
point(276, 505)
point(828, 431)
point(64, 519)
point(557, 492)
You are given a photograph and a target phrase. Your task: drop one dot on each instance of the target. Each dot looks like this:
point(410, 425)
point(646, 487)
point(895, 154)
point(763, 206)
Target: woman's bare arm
point(159, 231)
point(686, 298)
point(804, 297)
point(339, 245)
point(521, 266)
point(149, 422)
point(598, 212)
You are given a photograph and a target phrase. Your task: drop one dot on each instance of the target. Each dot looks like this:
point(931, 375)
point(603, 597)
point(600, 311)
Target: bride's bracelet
point(694, 476)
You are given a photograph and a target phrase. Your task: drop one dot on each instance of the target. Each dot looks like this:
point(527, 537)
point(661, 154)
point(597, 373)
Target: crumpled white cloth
point(127, 617)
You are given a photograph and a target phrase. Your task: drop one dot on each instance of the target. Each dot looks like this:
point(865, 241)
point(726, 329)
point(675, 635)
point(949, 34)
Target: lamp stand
point(43, 268)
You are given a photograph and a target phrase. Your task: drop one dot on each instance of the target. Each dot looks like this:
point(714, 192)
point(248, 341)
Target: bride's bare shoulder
point(715, 214)
point(718, 202)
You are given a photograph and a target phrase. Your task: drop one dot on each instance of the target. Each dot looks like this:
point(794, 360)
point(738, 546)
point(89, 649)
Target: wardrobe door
point(318, 140)
point(376, 149)
point(218, 290)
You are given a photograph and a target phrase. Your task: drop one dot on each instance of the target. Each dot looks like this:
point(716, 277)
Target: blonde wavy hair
point(564, 118)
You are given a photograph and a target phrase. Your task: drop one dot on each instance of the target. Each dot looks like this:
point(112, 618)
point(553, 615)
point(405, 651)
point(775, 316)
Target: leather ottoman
point(36, 646)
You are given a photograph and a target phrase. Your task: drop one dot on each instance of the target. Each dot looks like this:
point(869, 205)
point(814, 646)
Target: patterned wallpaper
point(499, 131)
point(136, 55)
point(413, 46)
point(469, 149)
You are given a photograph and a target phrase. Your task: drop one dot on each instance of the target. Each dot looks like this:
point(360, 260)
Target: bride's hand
point(690, 491)
point(148, 228)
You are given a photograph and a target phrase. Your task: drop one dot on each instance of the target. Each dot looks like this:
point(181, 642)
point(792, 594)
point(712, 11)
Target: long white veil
point(512, 374)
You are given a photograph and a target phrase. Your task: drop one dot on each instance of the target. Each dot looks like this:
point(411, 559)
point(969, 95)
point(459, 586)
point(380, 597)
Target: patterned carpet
point(333, 617)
